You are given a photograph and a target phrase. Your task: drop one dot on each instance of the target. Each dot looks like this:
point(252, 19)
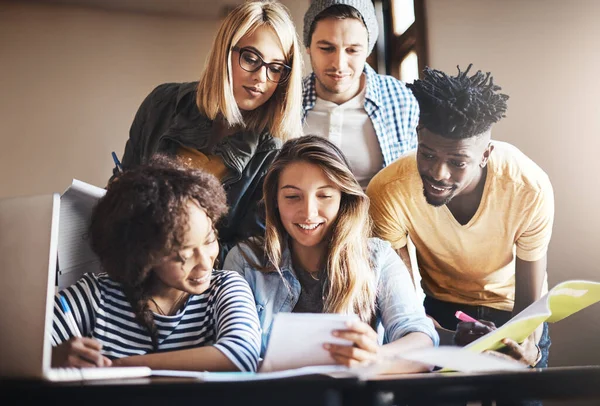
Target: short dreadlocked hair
point(458, 106)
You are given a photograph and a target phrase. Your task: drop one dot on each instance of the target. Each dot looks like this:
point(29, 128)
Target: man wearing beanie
point(372, 118)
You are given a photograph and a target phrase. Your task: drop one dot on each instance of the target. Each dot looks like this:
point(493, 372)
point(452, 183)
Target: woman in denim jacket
point(232, 121)
point(317, 257)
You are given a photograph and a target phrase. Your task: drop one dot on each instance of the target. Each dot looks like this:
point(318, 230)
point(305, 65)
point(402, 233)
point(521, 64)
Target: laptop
point(28, 251)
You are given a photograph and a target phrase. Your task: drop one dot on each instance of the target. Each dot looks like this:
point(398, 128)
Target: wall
point(545, 55)
point(72, 79)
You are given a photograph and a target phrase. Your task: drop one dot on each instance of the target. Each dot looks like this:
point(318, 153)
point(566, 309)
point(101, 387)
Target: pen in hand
point(471, 329)
point(85, 352)
point(69, 317)
point(464, 317)
point(117, 162)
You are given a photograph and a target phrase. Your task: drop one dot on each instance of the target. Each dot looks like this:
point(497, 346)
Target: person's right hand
point(79, 352)
point(467, 332)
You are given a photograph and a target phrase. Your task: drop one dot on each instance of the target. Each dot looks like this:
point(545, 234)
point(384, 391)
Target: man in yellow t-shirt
point(479, 212)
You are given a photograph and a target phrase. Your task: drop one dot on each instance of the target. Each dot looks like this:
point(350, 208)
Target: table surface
point(558, 383)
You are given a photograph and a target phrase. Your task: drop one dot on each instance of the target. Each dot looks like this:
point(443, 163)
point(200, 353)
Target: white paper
point(86, 190)
point(78, 374)
point(445, 356)
point(332, 370)
point(457, 359)
point(297, 340)
point(75, 256)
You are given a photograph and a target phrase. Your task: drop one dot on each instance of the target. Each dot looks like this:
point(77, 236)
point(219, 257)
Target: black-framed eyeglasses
point(250, 61)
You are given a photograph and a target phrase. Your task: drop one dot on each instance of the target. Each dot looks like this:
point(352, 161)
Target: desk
point(565, 384)
point(313, 390)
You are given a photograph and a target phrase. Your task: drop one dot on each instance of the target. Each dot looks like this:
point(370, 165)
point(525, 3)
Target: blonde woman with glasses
point(232, 122)
point(317, 257)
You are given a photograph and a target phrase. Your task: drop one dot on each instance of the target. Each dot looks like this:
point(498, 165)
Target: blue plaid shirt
point(393, 110)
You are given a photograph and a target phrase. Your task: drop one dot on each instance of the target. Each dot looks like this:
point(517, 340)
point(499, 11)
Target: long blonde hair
point(350, 280)
point(281, 115)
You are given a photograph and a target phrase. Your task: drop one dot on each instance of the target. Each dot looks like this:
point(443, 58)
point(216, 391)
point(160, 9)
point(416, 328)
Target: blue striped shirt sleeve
point(82, 297)
point(237, 325)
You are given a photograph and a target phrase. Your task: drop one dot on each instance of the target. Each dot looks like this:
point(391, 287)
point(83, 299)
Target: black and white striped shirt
point(223, 316)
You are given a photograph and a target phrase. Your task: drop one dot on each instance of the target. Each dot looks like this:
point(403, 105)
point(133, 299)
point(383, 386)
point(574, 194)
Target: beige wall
point(72, 79)
point(545, 55)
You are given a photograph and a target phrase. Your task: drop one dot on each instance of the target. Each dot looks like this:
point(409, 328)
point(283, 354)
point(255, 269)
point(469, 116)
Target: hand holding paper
point(526, 353)
point(362, 346)
point(298, 339)
point(564, 299)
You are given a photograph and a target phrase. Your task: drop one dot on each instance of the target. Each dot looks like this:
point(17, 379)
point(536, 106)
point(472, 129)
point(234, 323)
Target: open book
point(75, 256)
point(563, 300)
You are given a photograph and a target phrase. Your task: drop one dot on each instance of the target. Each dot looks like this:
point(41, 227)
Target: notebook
point(75, 256)
point(28, 252)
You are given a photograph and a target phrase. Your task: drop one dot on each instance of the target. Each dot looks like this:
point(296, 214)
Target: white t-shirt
point(349, 127)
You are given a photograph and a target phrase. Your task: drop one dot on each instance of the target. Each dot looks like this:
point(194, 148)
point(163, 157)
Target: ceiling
point(201, 9)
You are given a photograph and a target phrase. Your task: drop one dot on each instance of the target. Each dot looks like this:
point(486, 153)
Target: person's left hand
point(527, 353)
point(365, 348)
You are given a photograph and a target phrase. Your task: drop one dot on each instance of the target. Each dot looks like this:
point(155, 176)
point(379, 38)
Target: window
point(409, 67)
point(403, 15)
point(404, 38)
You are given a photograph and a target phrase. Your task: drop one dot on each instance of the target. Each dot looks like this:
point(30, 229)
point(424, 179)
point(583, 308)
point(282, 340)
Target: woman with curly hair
point(317, 257)
point(159, 303)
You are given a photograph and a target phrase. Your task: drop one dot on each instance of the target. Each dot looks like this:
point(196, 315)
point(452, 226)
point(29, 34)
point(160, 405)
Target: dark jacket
point(169, 118)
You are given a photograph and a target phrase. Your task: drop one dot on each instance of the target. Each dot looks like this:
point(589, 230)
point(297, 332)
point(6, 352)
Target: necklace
point(296, 263)
point(174, 307)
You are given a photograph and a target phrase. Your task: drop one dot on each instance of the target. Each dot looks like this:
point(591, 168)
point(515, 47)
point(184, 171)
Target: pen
point(69, 317)
point(117, 162)
point(464, 317)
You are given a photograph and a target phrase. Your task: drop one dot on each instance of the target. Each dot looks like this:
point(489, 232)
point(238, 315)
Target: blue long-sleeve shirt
point(223, 316)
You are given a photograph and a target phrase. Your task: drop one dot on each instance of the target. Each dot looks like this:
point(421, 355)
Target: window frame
point(397, 47)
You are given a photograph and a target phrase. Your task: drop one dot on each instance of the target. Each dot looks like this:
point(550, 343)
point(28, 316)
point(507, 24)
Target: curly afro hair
point(458, 106)
point(143, 217)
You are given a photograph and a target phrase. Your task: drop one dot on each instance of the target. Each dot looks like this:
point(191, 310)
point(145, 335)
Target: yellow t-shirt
point(193, 158)
point(472, 263)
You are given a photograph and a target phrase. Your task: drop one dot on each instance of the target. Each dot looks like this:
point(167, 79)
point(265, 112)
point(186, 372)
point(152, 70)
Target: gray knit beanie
point(364, 7)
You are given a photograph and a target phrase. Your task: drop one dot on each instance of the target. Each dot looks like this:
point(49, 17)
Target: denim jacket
point(398, 312)
point(169, 118)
